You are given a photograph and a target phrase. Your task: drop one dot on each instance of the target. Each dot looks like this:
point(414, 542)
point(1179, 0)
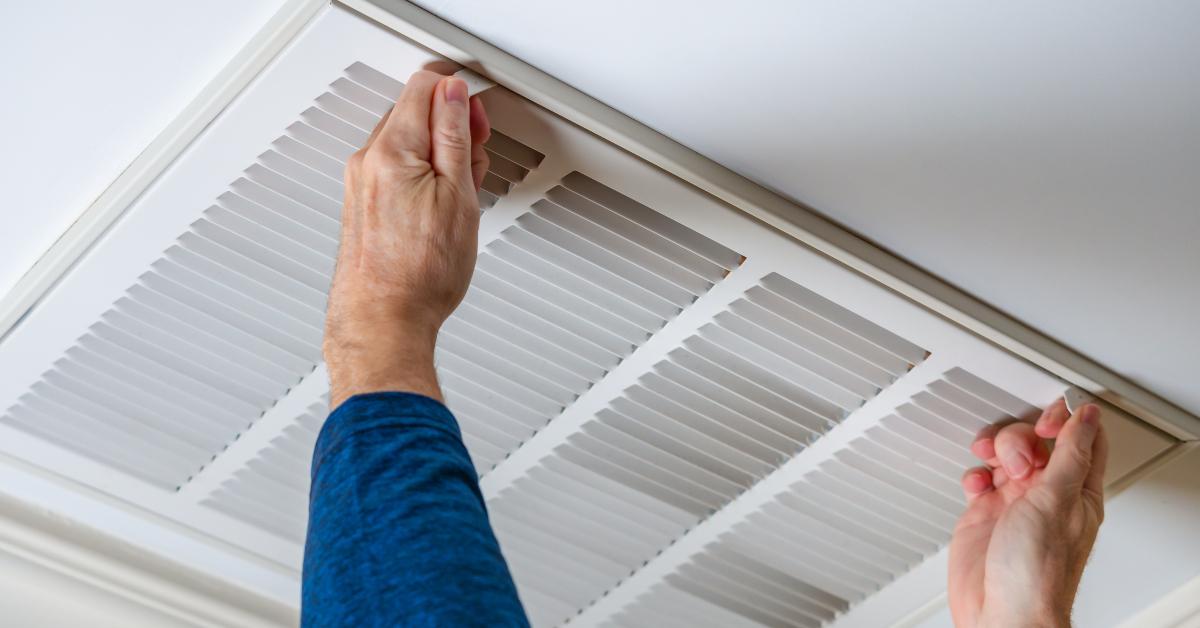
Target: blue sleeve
point(398, 534)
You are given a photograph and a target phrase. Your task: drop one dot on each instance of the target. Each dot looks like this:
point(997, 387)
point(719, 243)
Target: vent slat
point(668, 398)
point(59, 408)
point(649, 437)
point(513, 150)
point(636, 234)
point(361, 96)
point(302, 174)
point(273, 259)
point(51, 428)
point(331, 125)
point(224, 407)
point(771, 311)
point(672, 464)
point(645, 320)
point(563, 382)
point(834, 313)
point(607, 346)
point(217, 309)
point(648, 261)
point(589, 315)
point(308, 331)
point(531, 338)
point(310, 156)
point(178, 402)
point(781, 613)
point(83, 396)
point(499, 385)
point(208, 323)
point(656, 222)
point(348, 112)
point(251, 279)
point(174, 362)
point(591, 272)
point(704, 436)
point(161, 414)
point(320, 237)
point(321, 142)
point(788, 399)
point(295, 191)
point(284, 206)
point(604, 258)
point(375, 80)
point(505, 168)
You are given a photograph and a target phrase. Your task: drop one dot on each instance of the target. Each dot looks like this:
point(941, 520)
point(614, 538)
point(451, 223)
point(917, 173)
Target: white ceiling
point(1045, 158)
point(95, 83)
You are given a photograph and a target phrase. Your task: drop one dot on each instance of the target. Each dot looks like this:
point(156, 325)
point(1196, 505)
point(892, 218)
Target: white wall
point(87, 85)
point(1041, 156)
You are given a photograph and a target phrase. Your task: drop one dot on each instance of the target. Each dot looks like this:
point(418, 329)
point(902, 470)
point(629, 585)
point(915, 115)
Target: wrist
point(382, 356)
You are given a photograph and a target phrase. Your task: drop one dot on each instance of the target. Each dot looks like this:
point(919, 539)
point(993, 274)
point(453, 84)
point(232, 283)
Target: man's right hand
point(1032, 516)
point(410, 230)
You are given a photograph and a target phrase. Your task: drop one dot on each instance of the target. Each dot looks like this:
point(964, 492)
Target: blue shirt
point(398, 534)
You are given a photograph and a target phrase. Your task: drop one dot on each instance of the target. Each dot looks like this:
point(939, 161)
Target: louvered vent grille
point(559, 299)
point(231, 317)
point(878, 507)
point(271, 491)
point(740, 397)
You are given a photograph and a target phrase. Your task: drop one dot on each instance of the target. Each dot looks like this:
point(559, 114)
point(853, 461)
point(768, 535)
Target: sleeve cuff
point(381, 410)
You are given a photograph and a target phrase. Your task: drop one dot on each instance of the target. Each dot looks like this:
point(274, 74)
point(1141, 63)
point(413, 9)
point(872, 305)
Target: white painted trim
point(151, 162)
point(1178, 609)
point(142, 577)
point(797, 221)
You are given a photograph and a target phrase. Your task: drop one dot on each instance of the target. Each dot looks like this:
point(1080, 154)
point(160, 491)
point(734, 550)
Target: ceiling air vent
point(678, 412)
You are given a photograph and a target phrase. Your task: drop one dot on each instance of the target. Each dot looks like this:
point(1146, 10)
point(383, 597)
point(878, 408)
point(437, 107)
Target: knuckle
point(452, 138)
point(376, 160)
point(1077, 457)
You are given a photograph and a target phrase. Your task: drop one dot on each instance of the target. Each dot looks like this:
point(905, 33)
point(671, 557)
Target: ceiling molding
point(145, 578)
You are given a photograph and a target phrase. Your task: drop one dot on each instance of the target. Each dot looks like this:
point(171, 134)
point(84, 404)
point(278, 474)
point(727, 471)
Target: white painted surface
point(87, 86)
point(1042, 159)
point(34, 596)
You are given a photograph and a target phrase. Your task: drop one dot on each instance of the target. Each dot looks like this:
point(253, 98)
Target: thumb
point(450, 131)
point(1078, 456)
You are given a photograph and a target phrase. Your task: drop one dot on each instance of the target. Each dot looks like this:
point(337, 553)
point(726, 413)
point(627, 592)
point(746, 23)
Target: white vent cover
point(679, 415)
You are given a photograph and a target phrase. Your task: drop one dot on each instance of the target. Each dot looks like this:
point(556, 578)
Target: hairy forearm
point(393, 356)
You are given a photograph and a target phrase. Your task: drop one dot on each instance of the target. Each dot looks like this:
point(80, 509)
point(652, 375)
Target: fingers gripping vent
point(874, 510)
point(341, 121)
point(742, 396)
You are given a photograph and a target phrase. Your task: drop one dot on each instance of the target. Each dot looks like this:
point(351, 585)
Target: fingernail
point(1089, 415)
point(456, 90)
point(1017, 465)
